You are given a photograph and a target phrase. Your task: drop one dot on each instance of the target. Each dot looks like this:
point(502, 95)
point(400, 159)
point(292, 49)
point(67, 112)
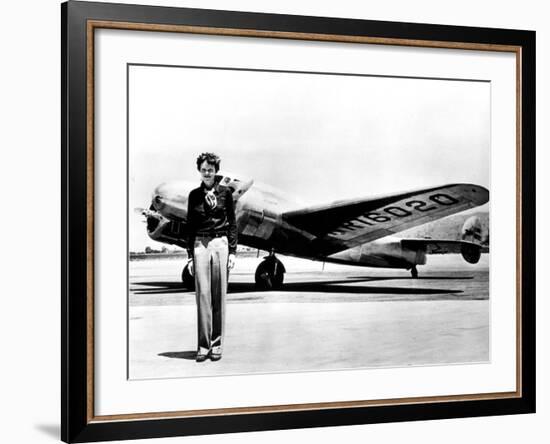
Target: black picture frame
point(78, 423)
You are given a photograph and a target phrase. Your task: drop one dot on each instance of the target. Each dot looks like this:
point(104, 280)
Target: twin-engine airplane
point(355, 232)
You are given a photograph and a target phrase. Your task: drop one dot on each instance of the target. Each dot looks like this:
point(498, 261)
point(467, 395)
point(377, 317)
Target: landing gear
point(414, 272)
point(270, 273)
point(187, 278)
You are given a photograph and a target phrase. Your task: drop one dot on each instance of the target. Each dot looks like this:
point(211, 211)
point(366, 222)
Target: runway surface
point(325, 318)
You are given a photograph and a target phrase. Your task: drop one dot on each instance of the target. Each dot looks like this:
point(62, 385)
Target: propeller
point(147, 212)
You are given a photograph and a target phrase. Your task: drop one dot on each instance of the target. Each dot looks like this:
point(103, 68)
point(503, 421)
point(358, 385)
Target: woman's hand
point(231, 261)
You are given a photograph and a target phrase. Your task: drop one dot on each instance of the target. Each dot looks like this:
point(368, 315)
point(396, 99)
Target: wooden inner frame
point(97, 24)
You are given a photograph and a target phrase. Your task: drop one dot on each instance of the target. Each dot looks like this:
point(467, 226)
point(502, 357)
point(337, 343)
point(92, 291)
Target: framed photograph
point(275, 221)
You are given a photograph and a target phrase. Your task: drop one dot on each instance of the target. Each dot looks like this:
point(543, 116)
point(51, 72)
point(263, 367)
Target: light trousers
point(210, 267)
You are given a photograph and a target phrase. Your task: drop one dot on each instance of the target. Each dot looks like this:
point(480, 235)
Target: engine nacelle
point(471, 253)
point(472, 231)
point(164, 230)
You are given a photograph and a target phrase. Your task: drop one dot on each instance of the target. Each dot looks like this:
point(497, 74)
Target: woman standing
point(212, 244)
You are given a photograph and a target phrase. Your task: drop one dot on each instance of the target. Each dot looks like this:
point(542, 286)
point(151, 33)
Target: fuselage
point(259, 210)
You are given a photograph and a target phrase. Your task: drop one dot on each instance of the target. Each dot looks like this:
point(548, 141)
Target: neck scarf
point(211, 198)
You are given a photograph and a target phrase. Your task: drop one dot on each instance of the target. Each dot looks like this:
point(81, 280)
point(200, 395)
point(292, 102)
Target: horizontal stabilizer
point(438, 246)
point(470, 251)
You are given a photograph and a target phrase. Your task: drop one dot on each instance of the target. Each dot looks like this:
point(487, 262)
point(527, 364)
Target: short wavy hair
point(211, 159)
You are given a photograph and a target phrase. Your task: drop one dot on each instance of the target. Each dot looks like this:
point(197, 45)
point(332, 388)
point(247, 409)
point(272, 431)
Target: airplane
point(355, 232)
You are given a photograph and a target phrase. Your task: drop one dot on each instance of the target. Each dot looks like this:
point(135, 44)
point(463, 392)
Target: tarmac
point(326, 317)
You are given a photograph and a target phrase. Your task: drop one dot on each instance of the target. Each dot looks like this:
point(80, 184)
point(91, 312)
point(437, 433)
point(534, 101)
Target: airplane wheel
point(414, 272)
point(269, 275)
point(187, 279)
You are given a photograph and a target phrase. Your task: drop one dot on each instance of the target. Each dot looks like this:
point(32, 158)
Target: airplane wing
point(355, 222)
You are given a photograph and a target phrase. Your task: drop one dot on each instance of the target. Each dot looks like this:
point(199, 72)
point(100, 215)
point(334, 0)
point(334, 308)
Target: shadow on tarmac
point(330, 287)
point(316, 286)
point(190, 355)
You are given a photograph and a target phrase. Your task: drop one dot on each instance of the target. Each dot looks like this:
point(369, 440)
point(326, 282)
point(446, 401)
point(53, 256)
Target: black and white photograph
point(239, 221)
point(287, 221)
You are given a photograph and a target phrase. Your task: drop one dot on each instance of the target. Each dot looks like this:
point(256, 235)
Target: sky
point(318, 137)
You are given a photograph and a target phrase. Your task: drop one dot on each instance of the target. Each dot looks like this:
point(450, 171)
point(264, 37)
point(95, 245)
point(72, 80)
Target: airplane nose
point(170, 198)
point(160, 195)
point(158, 201)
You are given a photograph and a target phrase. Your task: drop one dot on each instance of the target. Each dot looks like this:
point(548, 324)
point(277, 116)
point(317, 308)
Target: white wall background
point(30, 187)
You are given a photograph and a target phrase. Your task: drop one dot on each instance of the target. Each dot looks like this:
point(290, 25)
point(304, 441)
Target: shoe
point(201, 357)
point(216, 353)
